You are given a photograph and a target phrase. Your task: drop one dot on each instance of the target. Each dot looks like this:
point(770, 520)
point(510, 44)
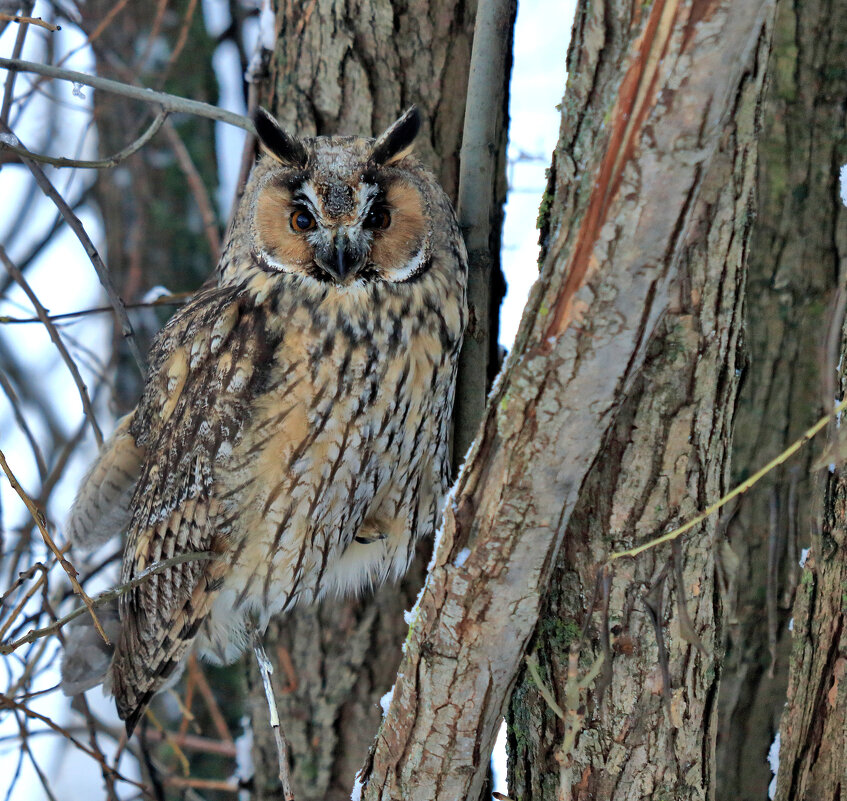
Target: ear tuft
point(397, 141)
point(279, 143)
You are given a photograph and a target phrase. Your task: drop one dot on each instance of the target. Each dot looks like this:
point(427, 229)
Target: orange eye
point(378, 219)
point(302, 221)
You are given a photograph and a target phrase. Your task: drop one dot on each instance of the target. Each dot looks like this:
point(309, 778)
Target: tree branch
point(97, 164)
point(492, 29)
point(105, 597)
point(99, 267)
point(170, 103)
point(17, 275)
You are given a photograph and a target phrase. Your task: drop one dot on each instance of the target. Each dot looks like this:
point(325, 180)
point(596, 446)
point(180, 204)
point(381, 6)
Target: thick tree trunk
point(626, 356)
point(651, 719)
point(812, 755)
point(342, 68)
point(796, 249)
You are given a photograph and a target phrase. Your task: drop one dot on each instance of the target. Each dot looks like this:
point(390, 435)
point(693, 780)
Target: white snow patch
point(842, 174)
point(439, 533)
point(154, 293)
point(791, 624)
point(773, 761)
point(267, 26)
point(498, 761)
point(462, 557)
point(244, 751)
point(356, 795)
point(385, 701)
point(804, 555)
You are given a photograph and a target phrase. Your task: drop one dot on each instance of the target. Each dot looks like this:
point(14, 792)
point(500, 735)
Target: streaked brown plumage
point(295, 420)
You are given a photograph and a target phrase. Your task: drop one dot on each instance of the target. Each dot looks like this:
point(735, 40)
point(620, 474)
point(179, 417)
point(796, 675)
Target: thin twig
point(196, 672)
point(96, 164)
point(11, 703)
point(266, 669)
point(175, 299)
point(171, 103)
point(99, 267)
point(198, 190)
point(9, 88)
point(10, 393)
point(182, 38)
point(17, 275)
point(29, 21)
point(38, 517)
point(103, 597)
point(739, 490)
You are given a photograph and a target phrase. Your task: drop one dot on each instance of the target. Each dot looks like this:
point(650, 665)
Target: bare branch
point(17, 275)
point(266, 669)
point(38, 517)
point(9, 88)
point(105, 597)
point(198, 190)
point(170, 103)
point(99, 267)
point(97, 164)
point(29, 21)
point(175, 299)
point(481, 131)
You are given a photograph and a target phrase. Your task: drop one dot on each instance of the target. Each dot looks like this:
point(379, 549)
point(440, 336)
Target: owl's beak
point(346, 259)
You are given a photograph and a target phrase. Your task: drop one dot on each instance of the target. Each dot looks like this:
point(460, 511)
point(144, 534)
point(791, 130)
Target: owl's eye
point(378, 219)
point(302, 221)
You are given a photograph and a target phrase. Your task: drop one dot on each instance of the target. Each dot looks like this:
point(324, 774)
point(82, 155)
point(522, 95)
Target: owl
point(294, 427)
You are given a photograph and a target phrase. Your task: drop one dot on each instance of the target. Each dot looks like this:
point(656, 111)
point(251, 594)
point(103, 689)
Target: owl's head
point(343, 210)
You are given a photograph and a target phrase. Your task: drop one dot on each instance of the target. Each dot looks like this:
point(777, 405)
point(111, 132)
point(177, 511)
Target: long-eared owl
point(295, 420)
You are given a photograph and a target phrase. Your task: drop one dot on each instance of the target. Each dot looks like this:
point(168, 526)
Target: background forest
point(686, 327)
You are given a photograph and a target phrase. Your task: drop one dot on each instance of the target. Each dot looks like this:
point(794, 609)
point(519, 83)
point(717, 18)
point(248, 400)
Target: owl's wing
point(206, 366)
point(162, 616)
point(101, 508)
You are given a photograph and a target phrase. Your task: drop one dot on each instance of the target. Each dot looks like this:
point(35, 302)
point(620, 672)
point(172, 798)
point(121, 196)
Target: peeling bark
point(629, 241)
point(796, 249)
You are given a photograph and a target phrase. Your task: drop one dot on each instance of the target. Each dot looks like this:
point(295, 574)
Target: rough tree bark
point(649, 214)
point(812, 756)
point(794, 265)
point(649, 728)
point(353, 68)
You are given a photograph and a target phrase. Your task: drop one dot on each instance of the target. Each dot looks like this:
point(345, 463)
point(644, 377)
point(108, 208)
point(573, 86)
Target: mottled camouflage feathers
point(295, 421)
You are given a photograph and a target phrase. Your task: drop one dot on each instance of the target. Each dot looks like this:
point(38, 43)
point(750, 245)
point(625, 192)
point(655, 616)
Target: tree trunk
point(793, 270)
point(812, 755)
point(625, 365)
point(650, 722)
point(341, 68)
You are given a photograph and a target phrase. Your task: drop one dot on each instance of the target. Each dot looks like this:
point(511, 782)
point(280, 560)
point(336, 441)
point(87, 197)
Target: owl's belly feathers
point(339, 471)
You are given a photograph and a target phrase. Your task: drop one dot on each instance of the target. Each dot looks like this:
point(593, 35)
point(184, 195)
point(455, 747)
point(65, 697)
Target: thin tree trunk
point(342, 68)
point(641, 283)
point(795, 254)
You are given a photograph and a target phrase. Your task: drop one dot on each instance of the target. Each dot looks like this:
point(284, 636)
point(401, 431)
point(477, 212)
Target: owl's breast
point(348, 437)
